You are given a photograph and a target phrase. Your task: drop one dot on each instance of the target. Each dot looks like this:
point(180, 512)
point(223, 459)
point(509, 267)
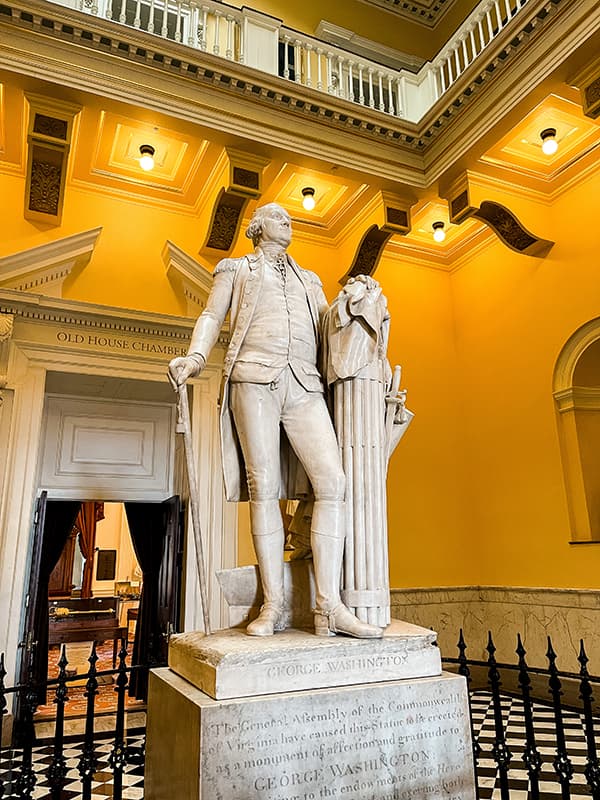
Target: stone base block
point(230, 663)
point(398, 740)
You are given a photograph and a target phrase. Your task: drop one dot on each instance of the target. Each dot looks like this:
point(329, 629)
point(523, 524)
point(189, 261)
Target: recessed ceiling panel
point(520, 150)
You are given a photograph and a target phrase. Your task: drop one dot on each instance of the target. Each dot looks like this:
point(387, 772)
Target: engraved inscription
point(106, 342)
point(384, 743)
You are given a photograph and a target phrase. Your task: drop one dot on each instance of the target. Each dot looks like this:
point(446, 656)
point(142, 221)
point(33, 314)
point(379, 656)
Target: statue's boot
point(331, 616)
point(265, 516)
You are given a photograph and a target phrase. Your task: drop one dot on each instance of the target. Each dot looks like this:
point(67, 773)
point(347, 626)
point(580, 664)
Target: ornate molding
point(425, 12)
point(189, 278)
point(570, 354)
point(465, 200)
point(509, 230)
point(172, 78)
point(578, 398)
point(6, 332)
point(45, 267)
point(48, 140)
point(245, 183)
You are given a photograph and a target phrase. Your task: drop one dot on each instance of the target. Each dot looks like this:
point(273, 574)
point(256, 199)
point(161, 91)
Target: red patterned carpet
point(106, 699)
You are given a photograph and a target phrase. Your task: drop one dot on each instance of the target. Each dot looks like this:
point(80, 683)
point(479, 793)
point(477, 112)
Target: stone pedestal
point(230, 663)
point(299, 717)
point(396, 740)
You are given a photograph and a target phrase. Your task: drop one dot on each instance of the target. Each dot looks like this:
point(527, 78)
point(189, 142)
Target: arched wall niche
point(577, 396)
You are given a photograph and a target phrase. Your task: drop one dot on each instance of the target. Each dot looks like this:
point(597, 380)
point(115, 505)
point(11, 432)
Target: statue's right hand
point(184, 367)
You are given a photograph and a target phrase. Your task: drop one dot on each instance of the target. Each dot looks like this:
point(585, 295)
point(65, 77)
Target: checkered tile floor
point(514, 728)
point(133, 776)
point(483, 722)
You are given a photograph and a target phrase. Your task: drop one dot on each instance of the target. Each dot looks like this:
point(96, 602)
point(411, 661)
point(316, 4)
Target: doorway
point(101, 572)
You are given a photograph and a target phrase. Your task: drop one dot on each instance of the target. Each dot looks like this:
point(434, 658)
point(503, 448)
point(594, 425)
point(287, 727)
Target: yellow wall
point(476, 493)
point(513, 316)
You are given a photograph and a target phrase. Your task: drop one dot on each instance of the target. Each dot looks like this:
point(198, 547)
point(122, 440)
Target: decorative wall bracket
point(463, 204)
point(48, 142)
point(244, 183)
point(396, 220)
point(588, 83)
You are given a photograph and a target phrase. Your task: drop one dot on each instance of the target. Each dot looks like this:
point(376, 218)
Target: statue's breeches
point(260, 410)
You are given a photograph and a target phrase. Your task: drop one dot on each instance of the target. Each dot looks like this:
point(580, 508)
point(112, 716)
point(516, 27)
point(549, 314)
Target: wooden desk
point(86, 621)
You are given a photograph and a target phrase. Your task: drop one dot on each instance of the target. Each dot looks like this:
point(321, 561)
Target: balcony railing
point(260, 41)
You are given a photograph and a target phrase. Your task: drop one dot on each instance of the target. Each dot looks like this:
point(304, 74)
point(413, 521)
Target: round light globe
point(147, 162)
point(549, 146)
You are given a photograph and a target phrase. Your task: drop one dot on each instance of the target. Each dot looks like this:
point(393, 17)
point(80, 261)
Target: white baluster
point(465, 53)
point(137, 20)
point(341, 91)
point(350, 82)
point(286, 57)
point(319, 69)
point(509, 13)
point(297, 61)
point(371, 98)
point(202, 38)
point(216, 39)
point(498, 15)
point(390, 96)
point(380, 87)
point(481, 36)
point(473, 44)
point(330, 84)
point(151, 18)
point(193, 26)
point(400, 104)
point(229, 47)
point(457, 60)
point(165, 18)
point(309, 48)
point(361, 96)
point(488, 17)
point(178, 26)
point(122, 15)
point(442, 74)
point(109, 12)
point(242, 43)
point(450, 73)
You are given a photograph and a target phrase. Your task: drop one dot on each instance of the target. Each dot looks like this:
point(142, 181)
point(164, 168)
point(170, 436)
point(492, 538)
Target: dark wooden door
point(29, 640)
point(169, 579)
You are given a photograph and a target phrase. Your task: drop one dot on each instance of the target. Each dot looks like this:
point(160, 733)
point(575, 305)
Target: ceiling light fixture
point(147, 157)
point(549, 143)
point(308, 193)
point(439, 234)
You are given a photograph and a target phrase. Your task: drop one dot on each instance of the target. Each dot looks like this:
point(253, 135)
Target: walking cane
point(184, 427)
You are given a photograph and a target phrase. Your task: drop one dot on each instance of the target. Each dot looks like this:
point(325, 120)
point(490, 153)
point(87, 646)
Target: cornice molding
point(137, 67)
point(48, 265)
point(428, 14)
point(40, 308)
point(192, 282)
point(578, 398)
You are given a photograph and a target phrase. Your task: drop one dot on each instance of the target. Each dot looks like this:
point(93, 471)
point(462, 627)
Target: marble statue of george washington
point(277, 436)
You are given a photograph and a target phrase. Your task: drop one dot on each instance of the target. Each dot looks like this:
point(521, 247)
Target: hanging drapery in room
point(59, 521)
point(91, 512)
point(147, 528)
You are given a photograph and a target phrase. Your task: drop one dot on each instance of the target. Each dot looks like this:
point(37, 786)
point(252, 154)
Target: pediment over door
point(191, 281)
point(44, 269)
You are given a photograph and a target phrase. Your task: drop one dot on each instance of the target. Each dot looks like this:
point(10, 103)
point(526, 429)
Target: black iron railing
point(520, 679)
point(562, 693)
point(18, 778)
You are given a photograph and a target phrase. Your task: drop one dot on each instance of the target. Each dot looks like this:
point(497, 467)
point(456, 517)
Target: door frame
point(47, 336)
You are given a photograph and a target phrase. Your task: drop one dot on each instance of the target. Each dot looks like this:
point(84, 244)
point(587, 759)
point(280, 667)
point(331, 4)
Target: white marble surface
point(231, 664)
point(401, 739)
point(566, 615)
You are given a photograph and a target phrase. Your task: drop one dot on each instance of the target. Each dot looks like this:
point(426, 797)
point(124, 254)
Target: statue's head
point(270, 223)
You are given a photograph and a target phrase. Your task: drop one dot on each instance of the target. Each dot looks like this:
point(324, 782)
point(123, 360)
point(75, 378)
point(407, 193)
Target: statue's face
point(277, 227)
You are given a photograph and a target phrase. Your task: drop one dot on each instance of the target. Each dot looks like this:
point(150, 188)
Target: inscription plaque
point(399, 740)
